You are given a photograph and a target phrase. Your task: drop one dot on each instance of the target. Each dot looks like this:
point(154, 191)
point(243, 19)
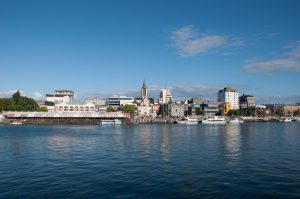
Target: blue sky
point(100, 48)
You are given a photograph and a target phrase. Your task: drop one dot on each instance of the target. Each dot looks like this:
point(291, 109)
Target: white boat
point(214, 120)
point(188, 121)
point(15, 123)
point(117, 122)
point(287, 120)
point(110, 122)
point(297, 119)
point(235, 120)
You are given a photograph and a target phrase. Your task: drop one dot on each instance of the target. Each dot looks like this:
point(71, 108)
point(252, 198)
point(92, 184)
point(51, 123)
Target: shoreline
point(89, 121)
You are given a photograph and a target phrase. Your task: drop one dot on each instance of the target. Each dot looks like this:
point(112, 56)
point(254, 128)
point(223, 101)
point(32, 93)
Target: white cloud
point(190, 43)
point(286, 99)
point(7, 94)
point(179, 91)
point(37, 96)
point(290, 61)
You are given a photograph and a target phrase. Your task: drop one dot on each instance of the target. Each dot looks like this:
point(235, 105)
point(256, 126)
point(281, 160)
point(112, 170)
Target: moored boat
point(287, 120)
point(214, 120)
point(235, 120)
point(110, 122)
point(16, 123)
point(297, 119)
point(188, 121)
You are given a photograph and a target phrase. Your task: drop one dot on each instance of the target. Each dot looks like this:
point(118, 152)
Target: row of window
point(76, 108)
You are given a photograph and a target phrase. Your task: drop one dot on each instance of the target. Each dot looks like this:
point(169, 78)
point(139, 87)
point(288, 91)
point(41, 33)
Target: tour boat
point(110, 122)
point(297, 119)
point(188, 120)
point(214, 120)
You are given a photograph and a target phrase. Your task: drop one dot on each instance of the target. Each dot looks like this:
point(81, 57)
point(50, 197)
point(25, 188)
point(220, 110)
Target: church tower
point(144, 95)
point(144, 91)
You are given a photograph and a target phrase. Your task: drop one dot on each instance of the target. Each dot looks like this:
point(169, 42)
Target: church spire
point(144, 91)
point(144, 84)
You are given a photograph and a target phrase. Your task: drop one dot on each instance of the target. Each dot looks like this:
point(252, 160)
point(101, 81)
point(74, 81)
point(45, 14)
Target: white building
point(96, 101)
point(144, 110)
point(117, 101)
point(165, 96)
point(74, 107)
point(230, 96)
point(60, 96)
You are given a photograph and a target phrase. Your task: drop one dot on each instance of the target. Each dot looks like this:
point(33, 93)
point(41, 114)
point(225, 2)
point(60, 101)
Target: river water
point(251, 160)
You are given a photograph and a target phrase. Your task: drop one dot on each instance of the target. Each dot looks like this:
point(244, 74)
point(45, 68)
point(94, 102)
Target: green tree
point(42, 109)
point(129, 109)
point(297, 112)
point(279, 112)
point(237, 112)
point(18, 103)
point(110, 109)
point(198, 111)
point(16, 96)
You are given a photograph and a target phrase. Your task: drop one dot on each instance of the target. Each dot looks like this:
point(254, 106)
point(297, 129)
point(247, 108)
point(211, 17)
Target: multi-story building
point(247, 101)
point(117, 101)
point(144, 110)
point(154, 109)
point(60, 96)
point(290, 109)
point(210, 108)
point(177, 110)
point(165, 96)
point(229, 95)
point(286, 109)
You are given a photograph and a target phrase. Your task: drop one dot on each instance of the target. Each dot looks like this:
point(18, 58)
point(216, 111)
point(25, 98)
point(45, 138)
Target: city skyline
point(195, 48)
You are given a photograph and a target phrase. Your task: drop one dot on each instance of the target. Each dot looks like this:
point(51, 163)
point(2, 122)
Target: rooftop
point(228, 89)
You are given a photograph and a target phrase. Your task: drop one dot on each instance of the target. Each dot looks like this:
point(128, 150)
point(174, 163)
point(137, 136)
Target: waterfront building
point(60, 96)
point(290, 109)
point(210, 109)
point(144, 110)
point(165, 96)
point(286, 109)
point(96, 101)
point(74, 107)
point(154, 109)
point(177, 110)
point(246, 101)
point(117, 101)
point(229, 95)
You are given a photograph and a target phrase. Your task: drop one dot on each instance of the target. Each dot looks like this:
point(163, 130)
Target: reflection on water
point(165, 145)
point(145, 139)
point(233, 142)
point(255, 160)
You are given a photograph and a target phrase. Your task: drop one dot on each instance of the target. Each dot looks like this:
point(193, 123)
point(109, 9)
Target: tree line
point(19, 103)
